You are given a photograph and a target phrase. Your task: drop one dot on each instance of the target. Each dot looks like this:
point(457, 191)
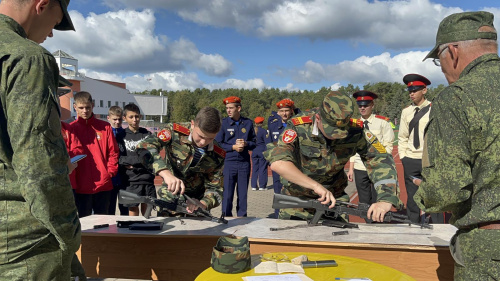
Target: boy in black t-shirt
point(136, 173)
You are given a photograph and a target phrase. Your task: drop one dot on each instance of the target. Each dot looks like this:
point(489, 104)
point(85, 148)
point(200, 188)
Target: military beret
point(462, 27)
point(336, 110)
point(232, 99)
point(259, 120)
point(364, 97)
point(285, 103)
point(415, 82)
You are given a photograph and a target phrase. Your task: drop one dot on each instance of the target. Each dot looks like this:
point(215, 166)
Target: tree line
point(184, 104)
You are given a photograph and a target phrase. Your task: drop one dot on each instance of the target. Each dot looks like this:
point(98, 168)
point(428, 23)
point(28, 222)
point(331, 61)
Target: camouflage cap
point(66, 23)
point(231, 255)
point(461, 27)
point(335, 111)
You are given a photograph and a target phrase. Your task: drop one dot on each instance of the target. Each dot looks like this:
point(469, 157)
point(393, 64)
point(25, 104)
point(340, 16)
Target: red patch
point(180, 129)
point(220, 151)
point(164, 135)
point(289, 135)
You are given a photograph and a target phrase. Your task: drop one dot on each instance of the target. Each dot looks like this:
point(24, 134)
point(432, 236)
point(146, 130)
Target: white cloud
point(124, 42)
point(238, 84)
point(380, 68)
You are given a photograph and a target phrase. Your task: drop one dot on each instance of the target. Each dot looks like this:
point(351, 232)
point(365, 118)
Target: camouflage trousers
point(45, 262)
point(479, 252)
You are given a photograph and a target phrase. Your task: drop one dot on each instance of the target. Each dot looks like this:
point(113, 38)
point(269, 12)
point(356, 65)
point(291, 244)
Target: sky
point(285, 44)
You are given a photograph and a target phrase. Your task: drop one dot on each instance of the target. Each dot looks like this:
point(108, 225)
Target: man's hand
point(174, 184)
point(417, 182)
point(191, 207)
point(239, 145)
point(350, 175)
point(325, 196)
point(71, 166)
point(377, 211)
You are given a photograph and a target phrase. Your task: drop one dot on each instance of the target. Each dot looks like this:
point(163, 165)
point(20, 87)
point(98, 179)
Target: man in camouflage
point(193, 160)
point(461, 160)
point(313, 150)
point(39, 226)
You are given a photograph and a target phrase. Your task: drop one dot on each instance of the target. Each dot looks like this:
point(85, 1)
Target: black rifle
point(281, 201)
point(125, 197)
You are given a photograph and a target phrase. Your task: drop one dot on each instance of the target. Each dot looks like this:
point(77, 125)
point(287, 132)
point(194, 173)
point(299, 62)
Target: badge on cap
point(289, 136)
point(164, 135)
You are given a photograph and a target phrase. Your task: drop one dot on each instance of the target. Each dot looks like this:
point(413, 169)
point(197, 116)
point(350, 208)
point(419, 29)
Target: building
point(105, 93)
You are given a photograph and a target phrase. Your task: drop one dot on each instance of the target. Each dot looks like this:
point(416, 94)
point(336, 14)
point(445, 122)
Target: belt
point(489, 225)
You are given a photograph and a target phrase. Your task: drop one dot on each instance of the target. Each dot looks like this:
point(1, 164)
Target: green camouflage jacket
point(461, 161)
point(36, 200)
point(203, 181)
point(324, 160)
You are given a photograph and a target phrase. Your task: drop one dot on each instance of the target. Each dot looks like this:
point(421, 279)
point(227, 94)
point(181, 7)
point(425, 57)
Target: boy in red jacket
point(95, 171)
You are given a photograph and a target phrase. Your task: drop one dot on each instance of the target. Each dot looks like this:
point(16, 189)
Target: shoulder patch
point(372, 139)
point(164, 135)
point(181, 129)
point(301, 120)
point(289, 135)
point(383, 118)
point(356, 123)
point(220, 151)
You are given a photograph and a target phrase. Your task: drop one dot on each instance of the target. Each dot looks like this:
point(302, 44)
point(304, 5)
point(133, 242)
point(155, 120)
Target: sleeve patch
point(221, 152)
point(181, 129)
point(289, 136)
point(164, 135)
point(301, 120)
point(372, 139)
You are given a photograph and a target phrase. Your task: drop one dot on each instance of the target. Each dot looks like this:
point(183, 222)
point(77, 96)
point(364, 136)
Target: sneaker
point(262, 188)
point(254, 188)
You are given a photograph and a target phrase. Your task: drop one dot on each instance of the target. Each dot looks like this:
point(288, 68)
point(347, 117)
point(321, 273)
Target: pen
point(101, 226)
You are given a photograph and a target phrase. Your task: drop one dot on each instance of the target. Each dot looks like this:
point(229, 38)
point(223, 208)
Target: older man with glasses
point(461, 160)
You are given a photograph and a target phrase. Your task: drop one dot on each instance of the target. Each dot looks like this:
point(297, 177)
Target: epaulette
point(383, 118)
point(220, 151)
point(355, 123)
point(180, 129)
point(274, 120)
point(301, 120)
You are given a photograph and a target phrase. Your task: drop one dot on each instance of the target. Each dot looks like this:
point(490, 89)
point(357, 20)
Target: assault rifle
point(281, 201)
point(177, 206)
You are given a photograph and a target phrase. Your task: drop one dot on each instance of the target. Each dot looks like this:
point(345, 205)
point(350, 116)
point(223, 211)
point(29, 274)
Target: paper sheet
point(284, 277)
point(274, 267)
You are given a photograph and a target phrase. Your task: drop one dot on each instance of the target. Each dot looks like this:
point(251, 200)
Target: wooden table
point(182, 251)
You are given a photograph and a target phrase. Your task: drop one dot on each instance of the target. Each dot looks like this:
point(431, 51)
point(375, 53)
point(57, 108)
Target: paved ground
point(259, 205)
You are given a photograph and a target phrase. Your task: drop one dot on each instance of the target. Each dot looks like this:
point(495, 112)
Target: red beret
point(232, 99)
point(285, 103)
point(259, 120)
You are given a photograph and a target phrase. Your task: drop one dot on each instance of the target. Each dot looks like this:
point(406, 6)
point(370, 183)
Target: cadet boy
point(193, 161)
point(313, 150)
point(115, 119)
point(414, 118)
point(39, 226)
point(276, 124)
point(381, 128)
point(259, 163)
point(237, 137)
point(137, 176)
point(95, 171)
point(461, 153)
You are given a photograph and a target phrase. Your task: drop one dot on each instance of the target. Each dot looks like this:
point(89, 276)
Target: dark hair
point(208, 120)
point(82, 97)
point(131, 107)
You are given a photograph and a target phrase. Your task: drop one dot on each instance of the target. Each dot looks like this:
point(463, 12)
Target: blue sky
point(296, 45)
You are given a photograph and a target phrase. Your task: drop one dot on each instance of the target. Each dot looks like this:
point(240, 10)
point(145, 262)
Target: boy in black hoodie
point(136, 173)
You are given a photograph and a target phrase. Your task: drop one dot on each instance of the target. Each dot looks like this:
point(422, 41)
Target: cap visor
point(66, 23)
point(432, 54)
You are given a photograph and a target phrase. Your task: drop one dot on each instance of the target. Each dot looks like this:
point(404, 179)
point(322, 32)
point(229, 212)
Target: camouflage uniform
point(323, 160)
point(461, 161)
point(39, 226)
point(204, 180)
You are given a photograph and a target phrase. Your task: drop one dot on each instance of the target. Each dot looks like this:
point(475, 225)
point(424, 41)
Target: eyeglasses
point(436, 61)
point(274, 257)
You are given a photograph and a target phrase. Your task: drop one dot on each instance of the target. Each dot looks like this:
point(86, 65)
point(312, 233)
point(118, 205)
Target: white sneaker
point(254, 188)
point(262, 188)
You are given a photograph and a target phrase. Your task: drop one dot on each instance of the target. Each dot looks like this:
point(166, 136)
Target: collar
point(369, 119)
point(315, 130)
point(424, 104)
point(86, 121)
point(478, 61)
point(232, 122)
point(11, 24)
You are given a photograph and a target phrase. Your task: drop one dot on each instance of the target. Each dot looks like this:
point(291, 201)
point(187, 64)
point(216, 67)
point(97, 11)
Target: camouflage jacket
point(461, 160)
point(324, 160)
point(204, 180)
point(36, 201)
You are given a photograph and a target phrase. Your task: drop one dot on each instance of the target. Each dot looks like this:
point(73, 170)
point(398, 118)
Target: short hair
point(131, 107)
point(208, 120)
point(115, 110)
point(82, 97)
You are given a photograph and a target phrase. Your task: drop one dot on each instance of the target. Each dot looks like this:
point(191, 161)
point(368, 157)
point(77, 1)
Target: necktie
point(366, 125)
point(198, 152)
point(416, 137)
